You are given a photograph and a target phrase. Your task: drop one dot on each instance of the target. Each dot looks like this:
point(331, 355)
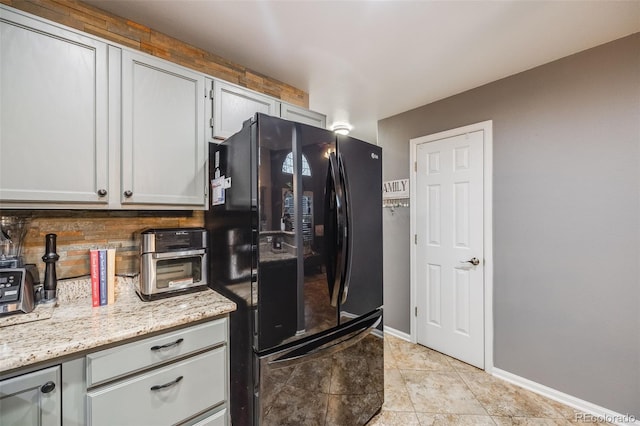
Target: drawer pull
point(168, 345)
point(166, 385)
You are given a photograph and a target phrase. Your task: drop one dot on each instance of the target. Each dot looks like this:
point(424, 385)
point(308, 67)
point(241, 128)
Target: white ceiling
point(361, 61)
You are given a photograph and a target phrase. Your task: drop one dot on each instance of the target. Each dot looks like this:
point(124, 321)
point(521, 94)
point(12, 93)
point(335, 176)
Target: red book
point(94, 263)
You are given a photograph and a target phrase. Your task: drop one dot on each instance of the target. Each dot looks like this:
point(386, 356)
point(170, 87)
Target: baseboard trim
point(601, 413)
point(397, 333)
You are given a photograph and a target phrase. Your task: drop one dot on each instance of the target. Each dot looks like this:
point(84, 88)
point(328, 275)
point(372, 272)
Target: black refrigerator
point(295, 228)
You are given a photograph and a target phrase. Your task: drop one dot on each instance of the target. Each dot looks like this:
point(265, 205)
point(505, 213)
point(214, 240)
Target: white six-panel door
point(449, 240)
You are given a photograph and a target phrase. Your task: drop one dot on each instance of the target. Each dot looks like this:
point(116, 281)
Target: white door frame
point(487, 128)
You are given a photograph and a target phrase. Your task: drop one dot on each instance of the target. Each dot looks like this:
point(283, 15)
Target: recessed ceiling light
point(341, 128)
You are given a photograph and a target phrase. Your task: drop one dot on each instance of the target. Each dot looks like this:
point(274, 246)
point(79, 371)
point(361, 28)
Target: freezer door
point(336, 378)
point(361, 171)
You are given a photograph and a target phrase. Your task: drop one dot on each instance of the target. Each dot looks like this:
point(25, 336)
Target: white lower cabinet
point(32, 399)
point(167, 395)
point(178, 377)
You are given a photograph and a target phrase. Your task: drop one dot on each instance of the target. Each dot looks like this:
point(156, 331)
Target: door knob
point(474, 261)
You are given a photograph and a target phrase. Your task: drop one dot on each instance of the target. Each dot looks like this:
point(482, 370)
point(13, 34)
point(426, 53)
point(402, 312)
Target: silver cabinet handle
point(474, 261)
point(102, 192)
point(167, 385)
point(128, 194)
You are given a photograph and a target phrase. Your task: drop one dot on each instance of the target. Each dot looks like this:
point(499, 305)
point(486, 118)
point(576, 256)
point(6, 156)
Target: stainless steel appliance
point(16, 279)
point(304, 207)
point(172, 261)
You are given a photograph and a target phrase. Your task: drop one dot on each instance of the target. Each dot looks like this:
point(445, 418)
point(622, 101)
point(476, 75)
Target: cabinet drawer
point(217, 419)
point(116, 362)
point(164, 396)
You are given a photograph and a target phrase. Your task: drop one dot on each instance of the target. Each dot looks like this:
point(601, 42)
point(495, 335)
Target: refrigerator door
point(293, 301)
point(361, 172)
point(335, 378)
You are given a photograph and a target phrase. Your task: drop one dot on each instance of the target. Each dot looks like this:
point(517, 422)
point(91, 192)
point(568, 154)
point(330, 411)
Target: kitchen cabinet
point(53, 125)
point(233, 105)
point(178, 377)
point(32, 399)
point(303, 115)
point(89, 124)
point(163, 142)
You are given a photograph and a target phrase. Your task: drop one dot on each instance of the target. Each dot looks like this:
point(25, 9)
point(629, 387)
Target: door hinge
point(416, 311)
point(415, 238)
point(211, 93)
point(415, 166)
point(211, 122)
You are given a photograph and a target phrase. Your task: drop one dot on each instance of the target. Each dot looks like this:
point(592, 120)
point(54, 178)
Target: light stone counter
point(75, 327)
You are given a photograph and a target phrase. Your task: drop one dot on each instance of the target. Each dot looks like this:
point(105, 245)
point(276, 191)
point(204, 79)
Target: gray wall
point(566, 219)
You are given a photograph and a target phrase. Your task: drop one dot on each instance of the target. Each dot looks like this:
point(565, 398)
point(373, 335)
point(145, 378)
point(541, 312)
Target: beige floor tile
point(394, 418)
point(427, 419)
point(440, 392)
point(396, 395)
point(530, 421)
point(463, 367)
point(416, 357)
point(425, 387)
point(389, 358)
point(504, 399)
point(565, 411)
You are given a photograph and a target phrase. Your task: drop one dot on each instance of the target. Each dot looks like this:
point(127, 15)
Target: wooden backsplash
point(78, 231)
point(84, 17)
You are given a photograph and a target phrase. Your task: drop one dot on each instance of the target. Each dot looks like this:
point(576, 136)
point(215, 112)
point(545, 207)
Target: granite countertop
point(74, 327)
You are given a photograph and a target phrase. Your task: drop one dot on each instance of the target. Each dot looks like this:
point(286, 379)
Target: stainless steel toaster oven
point(172, 261)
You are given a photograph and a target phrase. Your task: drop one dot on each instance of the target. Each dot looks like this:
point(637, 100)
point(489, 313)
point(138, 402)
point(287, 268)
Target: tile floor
point(424, 387)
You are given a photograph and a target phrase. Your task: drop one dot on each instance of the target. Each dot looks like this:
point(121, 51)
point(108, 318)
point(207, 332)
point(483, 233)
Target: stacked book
point(103, 276)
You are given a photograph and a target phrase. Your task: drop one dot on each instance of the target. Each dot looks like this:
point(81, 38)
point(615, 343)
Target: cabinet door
point(163, 142)
point(32, 399)
point(302, 115)
point(233, 105)
point(53, 121)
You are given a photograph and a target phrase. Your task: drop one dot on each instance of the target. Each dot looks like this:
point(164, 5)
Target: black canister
point(50, 258)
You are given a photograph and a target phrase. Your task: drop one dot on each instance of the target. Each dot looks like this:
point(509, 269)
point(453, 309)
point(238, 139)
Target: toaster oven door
point(172, 271)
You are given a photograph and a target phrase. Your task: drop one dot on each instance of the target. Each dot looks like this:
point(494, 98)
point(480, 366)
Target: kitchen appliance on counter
point(306, 342)
point(172, 261)
point(16, 278)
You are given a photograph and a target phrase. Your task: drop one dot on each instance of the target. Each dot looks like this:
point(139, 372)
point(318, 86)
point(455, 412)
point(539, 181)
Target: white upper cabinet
point(53, 113)
point(163, 141)
point(303, 115)
point(233, 105)
point(88, 124)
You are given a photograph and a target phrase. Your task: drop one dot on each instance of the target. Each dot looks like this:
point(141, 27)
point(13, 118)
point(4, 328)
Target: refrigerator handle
point(331, 343)
point(346, 252)
point(337, 250)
